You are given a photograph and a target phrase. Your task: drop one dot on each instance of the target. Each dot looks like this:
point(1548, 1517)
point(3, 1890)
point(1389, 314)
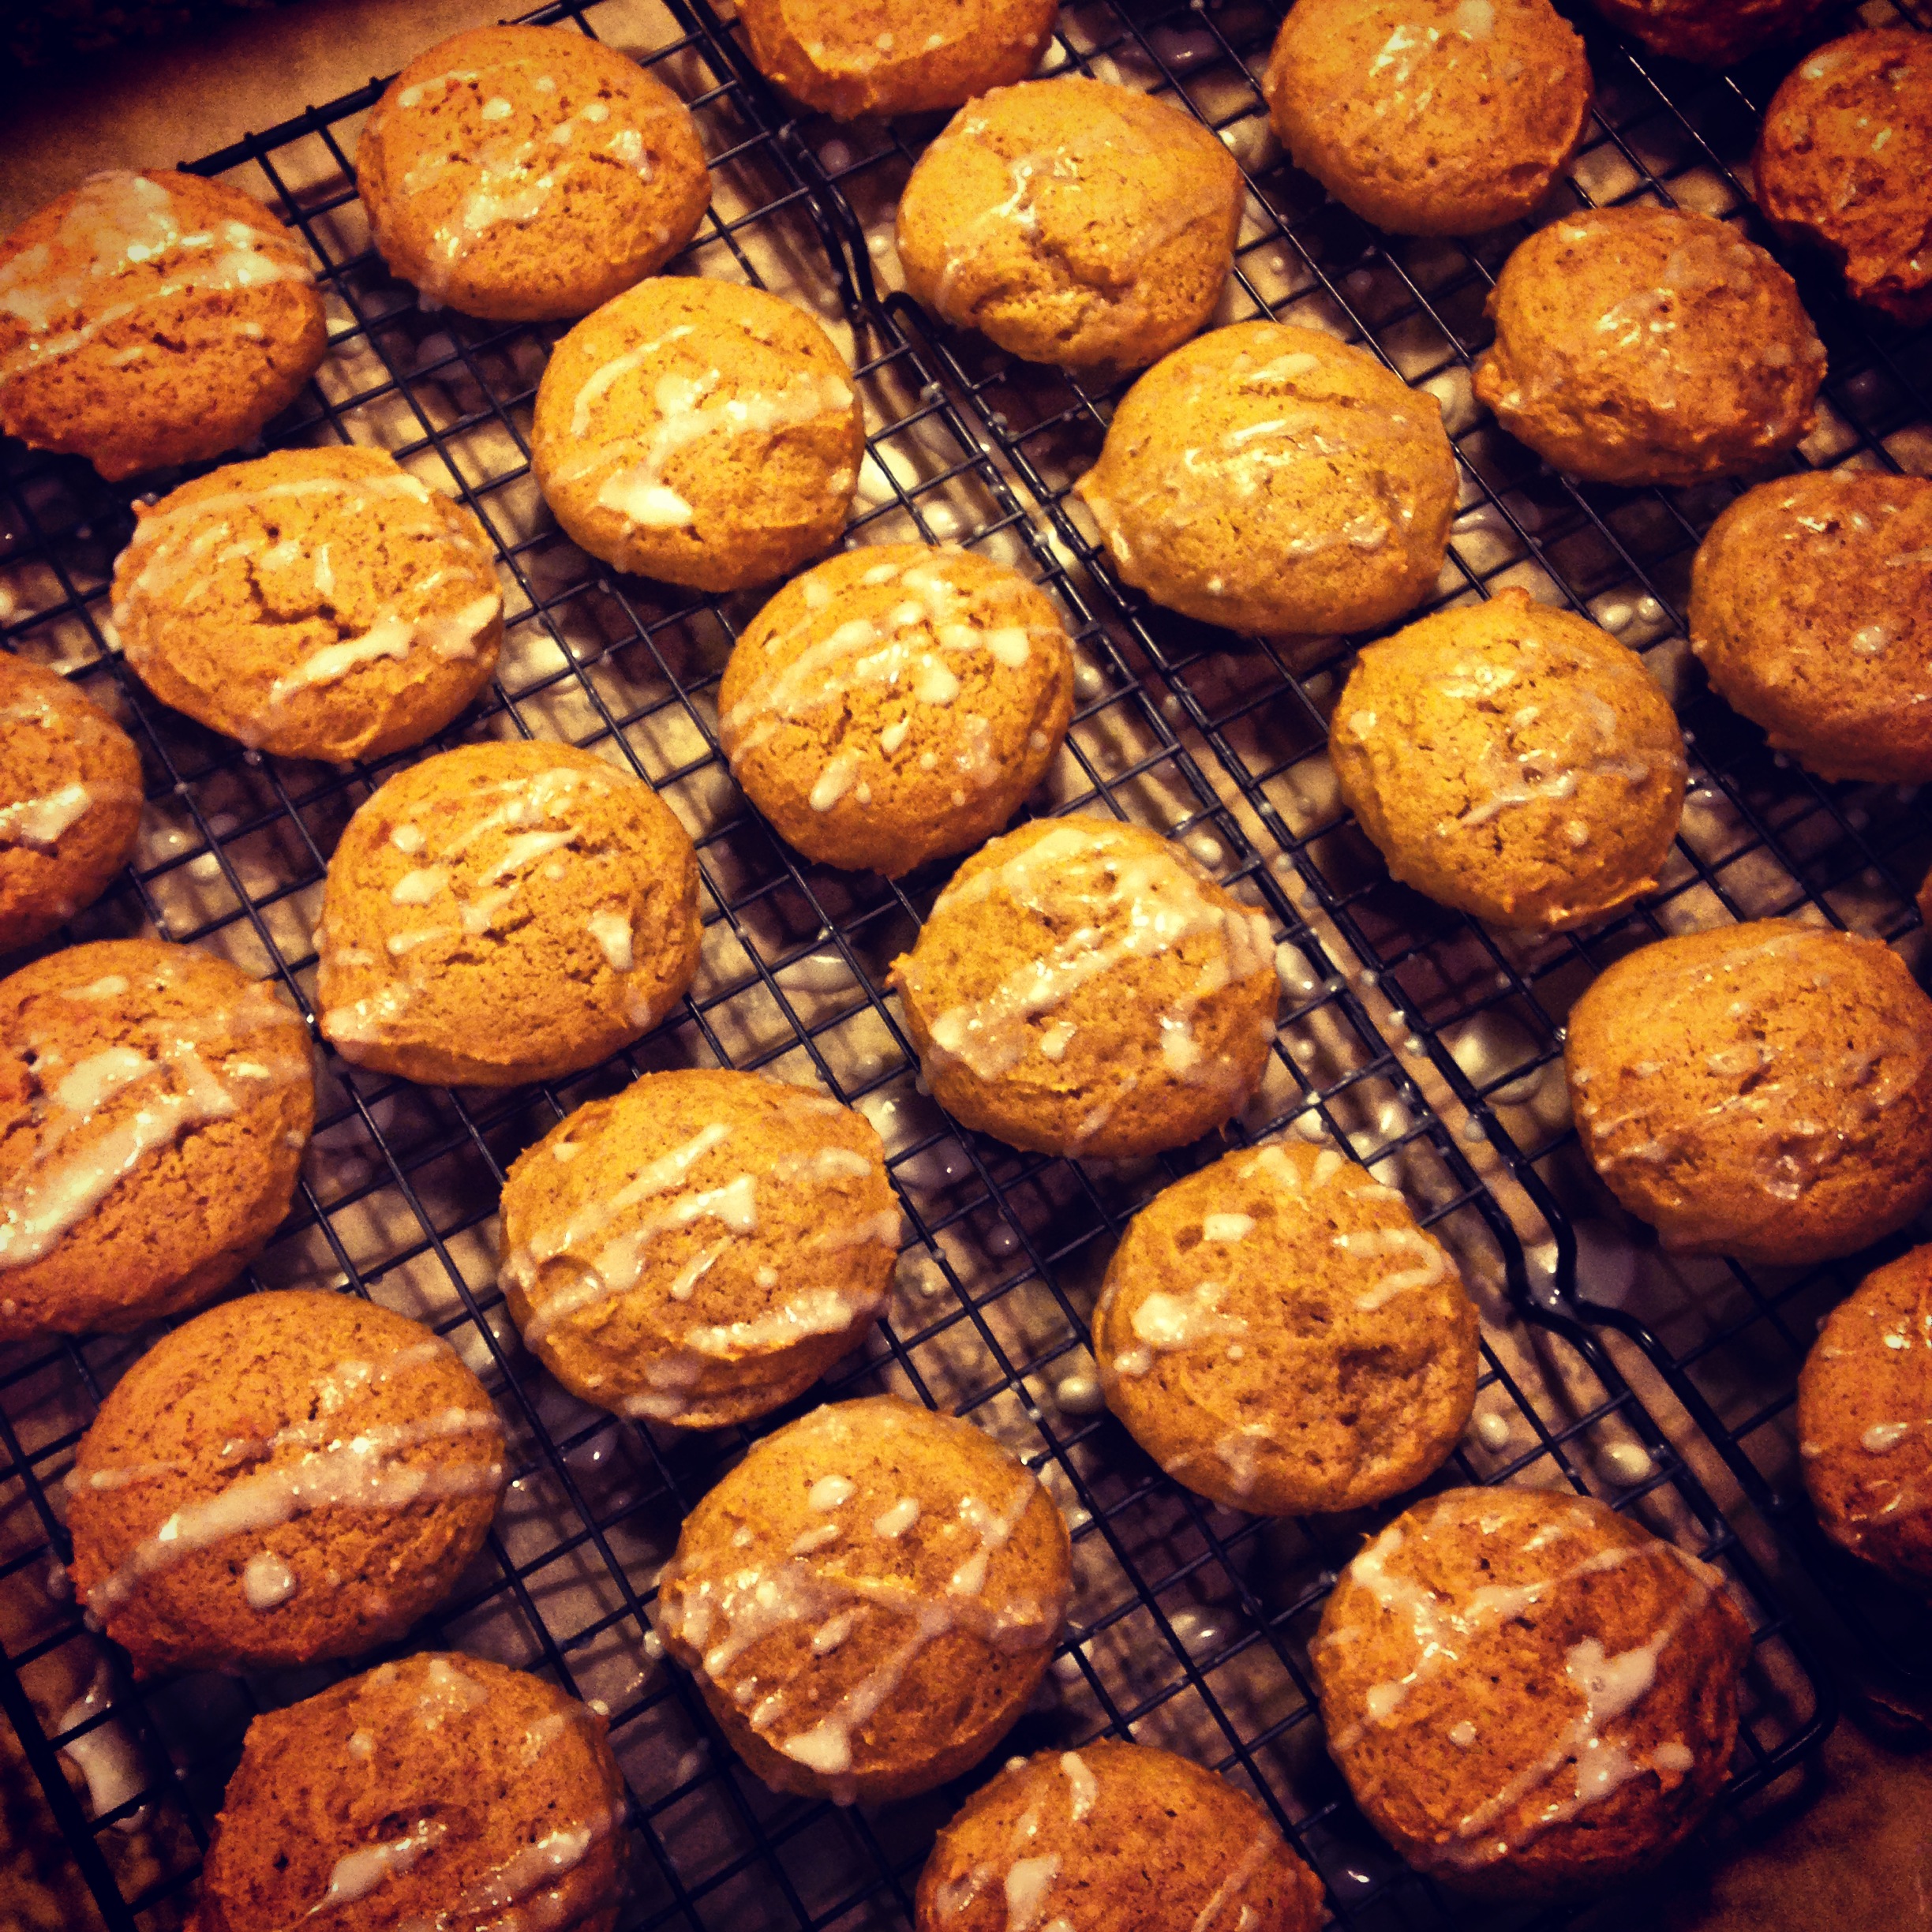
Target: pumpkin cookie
point(502, 913)
point(1073, 223)
point(524, 173)
point(1082, 987)
point(440, 1790)
point(320, 603)
point(895, 704)
point(1530, 1696)
point(289, 1476)
point(154, 1104)
point(153, 318)
point(1714, 33)
point(1513, 761)
point(70, 801)
point(1272, 479)
point(868, 1600)
point(700, 1249)
point(1763, 1091)
point(1278, 1333)
point(700, 433)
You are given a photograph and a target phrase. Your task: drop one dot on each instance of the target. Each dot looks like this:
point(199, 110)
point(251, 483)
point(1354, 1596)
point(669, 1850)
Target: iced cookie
point(1511, 760)
point(1649, 345)
point(853, 57)
point(1714, 33)
point(1278, 1333)
point(1431, 117)
point(318, 602)
point(288, 1477)
point(154, 1104)
point(1270, 478)
point(1073, 223)
point(700, 1249)
point(699, 433)
point(869, 1600)
point(1117, 1838)
point(895, 704)
point(1530, 1696)
point(153, 318)
point(439, 1793)
point(502, 913)
point(521, 173)
point(70, 801)
point(1082, 987)
point(1763, 1091)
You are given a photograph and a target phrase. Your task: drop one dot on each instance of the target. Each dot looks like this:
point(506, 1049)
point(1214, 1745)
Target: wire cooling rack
point(1419, 1042)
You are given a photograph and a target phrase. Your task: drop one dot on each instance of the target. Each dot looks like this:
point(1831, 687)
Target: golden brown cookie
point(1511, 760)
point(1649, 345)
point(152, 319)
point(1270, 478)
point(1431, 117)
point(1865, 1421)
point(1842, 160)
point(287, 1477)
point(1528, 1695)
point(1114, 1838)
point(502, 913)
point(898, 703)
point(852, 58)
point(1073, 223)
point(441, 1792)
point(154, 1104)
point(1811, 611)
point(318, 603)
point(523, 172)
point(1082, 987)
point(868, 1600)
point(1714, 33)
point(1763, 1091)
point(700, 1248)
point(1278, 1333)
point(70, 801)
point(699, 433)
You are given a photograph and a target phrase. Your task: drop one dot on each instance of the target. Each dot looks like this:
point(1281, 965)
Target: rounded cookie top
point(1527, 1694)
point(852, 58)
point(1763, 1091)
point(1649, 345)
point(700, 1248)
point(1714, 33)
point(1279, 1334)
point(868, 1600)
point(504, 912)
point(289, 1476)
point(1073, 223)
point(1513, 761)
point(1082, 986)
point(1865, 1421)
point(154, 1104)
point(153, 318)
point(699, 433)
point(1270, 478)
point(897, 703)
point(1843, 160)
point(317, 603)
point(524, 173)
point(1431, 117)
point(1114, 1838)
point(1811, 611)
point(439, 1791)
point(70, 801)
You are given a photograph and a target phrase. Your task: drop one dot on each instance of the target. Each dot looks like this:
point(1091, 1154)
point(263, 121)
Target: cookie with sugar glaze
point(288, 1477)
point(869, 1600)
point(154, 1104)
point(153, 318)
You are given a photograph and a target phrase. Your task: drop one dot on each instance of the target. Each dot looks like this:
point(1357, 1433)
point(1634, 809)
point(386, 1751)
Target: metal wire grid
point(1190, 1623)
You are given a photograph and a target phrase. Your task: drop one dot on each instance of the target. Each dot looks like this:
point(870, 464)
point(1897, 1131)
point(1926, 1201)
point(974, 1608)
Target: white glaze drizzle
point(39, 823)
